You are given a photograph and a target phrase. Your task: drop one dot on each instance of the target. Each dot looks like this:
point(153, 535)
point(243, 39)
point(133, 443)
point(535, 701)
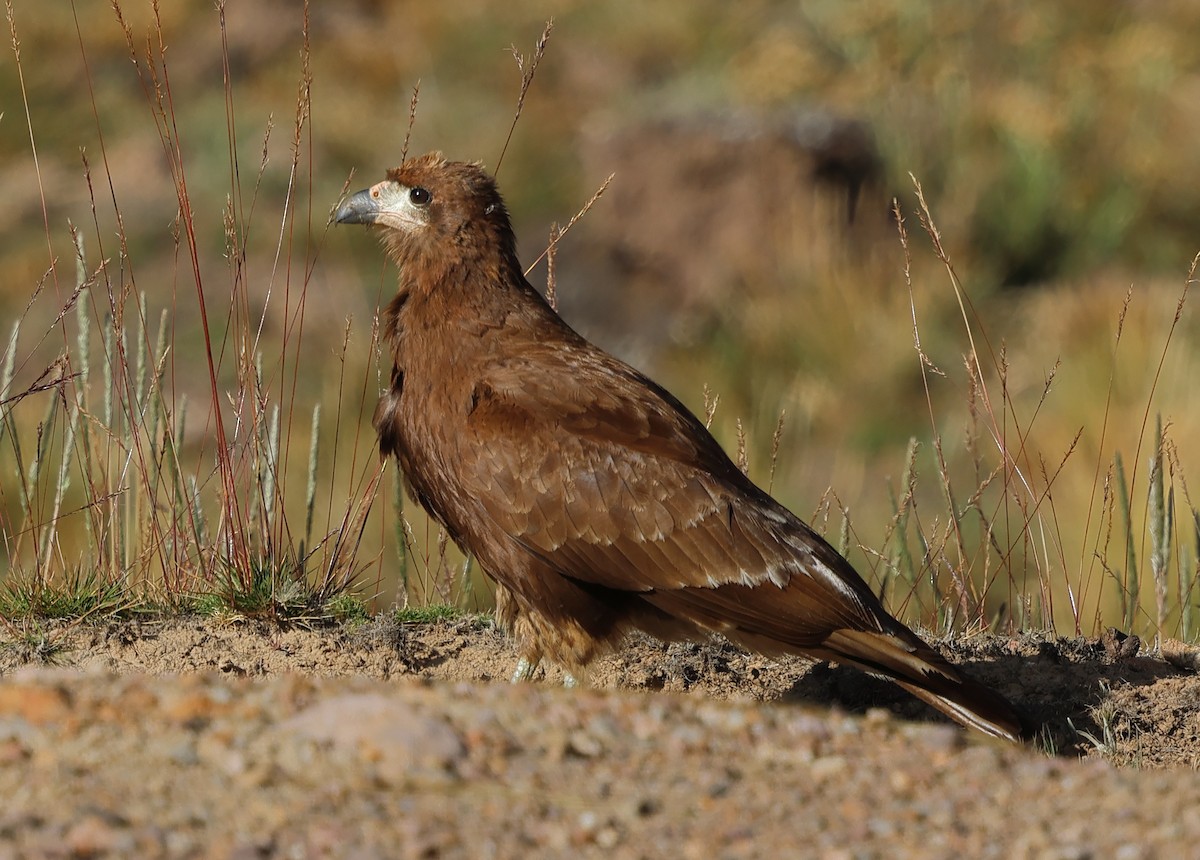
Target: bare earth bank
point(193, 738)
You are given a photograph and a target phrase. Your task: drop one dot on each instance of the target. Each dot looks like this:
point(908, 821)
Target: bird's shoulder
point(562, 389)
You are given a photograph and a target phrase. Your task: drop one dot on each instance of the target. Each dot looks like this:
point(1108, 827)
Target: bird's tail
point(827, 626)
point(916, 667)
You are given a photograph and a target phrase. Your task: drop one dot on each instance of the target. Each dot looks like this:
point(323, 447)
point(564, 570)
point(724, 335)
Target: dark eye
point(420, 197)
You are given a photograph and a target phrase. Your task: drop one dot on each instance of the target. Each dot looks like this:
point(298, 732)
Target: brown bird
point(596, 501)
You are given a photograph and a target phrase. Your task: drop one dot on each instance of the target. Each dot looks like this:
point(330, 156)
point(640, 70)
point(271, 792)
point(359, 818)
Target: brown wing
point(612, 482)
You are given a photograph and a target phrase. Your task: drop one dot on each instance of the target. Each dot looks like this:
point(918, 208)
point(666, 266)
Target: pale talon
point(524, 671)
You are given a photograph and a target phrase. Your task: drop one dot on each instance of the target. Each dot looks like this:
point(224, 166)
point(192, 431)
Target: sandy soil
point(195, 738)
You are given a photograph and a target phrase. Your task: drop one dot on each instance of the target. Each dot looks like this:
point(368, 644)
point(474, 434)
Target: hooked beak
point(360, 208)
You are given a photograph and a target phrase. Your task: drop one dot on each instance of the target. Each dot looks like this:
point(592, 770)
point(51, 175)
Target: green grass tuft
point(431, 614)
point(75, 595)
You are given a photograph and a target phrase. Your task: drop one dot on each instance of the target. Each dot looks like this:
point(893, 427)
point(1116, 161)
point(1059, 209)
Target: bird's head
point(429, 209)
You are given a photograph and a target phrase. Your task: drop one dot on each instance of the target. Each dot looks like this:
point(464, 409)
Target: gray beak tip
point(359, 208)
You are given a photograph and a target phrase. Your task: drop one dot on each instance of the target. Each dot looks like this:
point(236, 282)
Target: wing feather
point(620, 486)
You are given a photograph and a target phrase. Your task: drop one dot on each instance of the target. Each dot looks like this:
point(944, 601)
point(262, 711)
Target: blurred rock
point(400, 743)
point(706, 206)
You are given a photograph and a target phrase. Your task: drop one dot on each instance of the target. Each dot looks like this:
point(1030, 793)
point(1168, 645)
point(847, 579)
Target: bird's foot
point(525, 669)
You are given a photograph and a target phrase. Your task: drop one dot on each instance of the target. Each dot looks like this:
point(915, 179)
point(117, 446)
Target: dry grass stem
point(574, 218)
point(527, 66)
point(412, 120)
point(551, 257)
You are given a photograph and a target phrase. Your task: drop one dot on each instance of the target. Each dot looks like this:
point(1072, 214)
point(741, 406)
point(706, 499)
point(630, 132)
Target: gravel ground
point(196, 739)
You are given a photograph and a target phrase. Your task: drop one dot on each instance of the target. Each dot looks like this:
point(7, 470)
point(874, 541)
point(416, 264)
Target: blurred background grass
point(1053, 143)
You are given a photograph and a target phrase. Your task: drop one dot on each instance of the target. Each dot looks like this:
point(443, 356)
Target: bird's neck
point(461, 297)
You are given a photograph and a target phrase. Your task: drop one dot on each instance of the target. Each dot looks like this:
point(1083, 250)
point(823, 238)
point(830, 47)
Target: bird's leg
point(525, 669)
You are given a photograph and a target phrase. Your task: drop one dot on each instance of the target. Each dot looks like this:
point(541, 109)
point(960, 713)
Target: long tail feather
point(923, 672)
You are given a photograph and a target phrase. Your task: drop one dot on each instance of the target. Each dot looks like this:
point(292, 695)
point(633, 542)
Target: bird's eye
point(420, 196)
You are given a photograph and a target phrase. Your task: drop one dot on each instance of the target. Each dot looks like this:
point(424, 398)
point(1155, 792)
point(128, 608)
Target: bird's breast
point(416, 429)
point(420, 418)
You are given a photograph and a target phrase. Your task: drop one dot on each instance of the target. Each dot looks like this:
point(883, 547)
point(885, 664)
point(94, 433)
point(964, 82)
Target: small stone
point(92, 836)
point(827, 766)
point(37, 704)
point(582, 744)
point(1119, 646)
point(1181, 655)
point(192, 708)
